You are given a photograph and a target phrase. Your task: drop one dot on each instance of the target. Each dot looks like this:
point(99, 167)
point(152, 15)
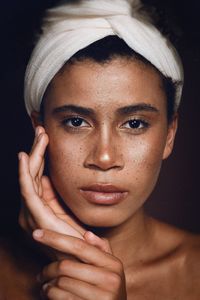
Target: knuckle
point(62, 267)
point(114, 280)
point(61, 282)
point(119, 267)
point(78, 245)
point(50, 292)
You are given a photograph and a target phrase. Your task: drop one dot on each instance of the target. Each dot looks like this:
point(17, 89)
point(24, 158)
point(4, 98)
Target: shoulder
point(179, 259)
point(184, 264)
point(16, 280)
point(187, 267)
point(190, 253)
point(183, 246)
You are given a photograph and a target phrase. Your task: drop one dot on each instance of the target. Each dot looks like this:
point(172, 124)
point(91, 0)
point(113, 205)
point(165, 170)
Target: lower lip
point(103, 198)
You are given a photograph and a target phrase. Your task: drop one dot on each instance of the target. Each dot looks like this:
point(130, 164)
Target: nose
point(105, 153)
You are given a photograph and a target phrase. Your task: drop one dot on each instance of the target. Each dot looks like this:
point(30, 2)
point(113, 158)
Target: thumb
point(100, 243)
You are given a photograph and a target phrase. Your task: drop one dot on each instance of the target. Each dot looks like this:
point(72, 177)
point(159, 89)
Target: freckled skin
point(160, 261)
point(103, 152)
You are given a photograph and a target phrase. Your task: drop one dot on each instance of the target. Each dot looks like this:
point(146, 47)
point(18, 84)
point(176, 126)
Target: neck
point(130, 240)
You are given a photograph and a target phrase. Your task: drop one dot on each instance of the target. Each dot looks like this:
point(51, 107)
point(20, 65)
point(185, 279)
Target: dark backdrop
point(176, 198)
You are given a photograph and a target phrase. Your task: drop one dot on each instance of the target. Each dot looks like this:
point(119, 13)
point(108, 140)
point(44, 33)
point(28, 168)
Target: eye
point(136, 124)
point(75, 122)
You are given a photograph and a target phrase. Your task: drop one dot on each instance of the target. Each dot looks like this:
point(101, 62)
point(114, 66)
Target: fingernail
point(38, 233)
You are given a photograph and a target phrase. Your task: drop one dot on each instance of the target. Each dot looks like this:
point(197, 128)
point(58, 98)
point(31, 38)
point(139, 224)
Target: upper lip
point(104, 188)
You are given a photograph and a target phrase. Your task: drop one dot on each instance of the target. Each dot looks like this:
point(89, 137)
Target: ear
point(172, 128)
point(36, 119)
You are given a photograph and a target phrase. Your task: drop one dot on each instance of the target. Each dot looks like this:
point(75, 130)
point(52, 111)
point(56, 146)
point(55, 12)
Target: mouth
point(105, 194)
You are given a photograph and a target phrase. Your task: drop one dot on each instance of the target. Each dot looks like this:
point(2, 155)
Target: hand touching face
point(107, 125)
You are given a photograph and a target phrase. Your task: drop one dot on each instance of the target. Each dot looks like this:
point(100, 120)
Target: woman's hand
point(40, 205)
point(96, 274)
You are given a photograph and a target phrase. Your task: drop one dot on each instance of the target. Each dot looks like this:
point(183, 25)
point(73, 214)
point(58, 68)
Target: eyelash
point(68, 119)
point(142, 124)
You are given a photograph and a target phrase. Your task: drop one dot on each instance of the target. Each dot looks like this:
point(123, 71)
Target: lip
point(105, 194)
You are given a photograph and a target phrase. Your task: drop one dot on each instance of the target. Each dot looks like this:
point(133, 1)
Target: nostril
point(104, 163)
point(104, 155)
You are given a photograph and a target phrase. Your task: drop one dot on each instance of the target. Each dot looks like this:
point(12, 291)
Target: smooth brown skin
point(159, 261)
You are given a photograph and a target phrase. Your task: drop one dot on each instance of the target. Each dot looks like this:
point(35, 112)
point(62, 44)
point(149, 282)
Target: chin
point(100, 223)
point(103, 217)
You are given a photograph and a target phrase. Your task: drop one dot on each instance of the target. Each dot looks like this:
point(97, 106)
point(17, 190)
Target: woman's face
point(107, 125)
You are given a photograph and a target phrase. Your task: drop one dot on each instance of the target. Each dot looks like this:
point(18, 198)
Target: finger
point(88, 273)
point(38, 131)
point(54, 293)
point(94, 240)
point(42, 214)
point(51, 199)
point(26, 221)
point(49, 192)
point(32, 201)
point(37, 155)
point(77, 288)
point(39, 182)
point(78, 248)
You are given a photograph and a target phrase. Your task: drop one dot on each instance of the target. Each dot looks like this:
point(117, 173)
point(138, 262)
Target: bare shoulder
point(190, 251)
point(184, 261)
point(183, 245)
point(16, 279)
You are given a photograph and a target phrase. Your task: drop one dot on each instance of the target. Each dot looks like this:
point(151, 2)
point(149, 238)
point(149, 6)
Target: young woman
point(102, 89)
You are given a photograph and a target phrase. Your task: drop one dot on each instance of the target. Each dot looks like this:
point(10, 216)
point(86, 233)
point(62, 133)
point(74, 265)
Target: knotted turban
point(74, 25)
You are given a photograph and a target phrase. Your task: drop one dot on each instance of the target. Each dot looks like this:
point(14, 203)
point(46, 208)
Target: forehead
point(119, 81)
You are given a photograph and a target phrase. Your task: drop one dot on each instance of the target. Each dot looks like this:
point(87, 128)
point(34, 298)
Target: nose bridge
point(105, 153)
point(106, 144)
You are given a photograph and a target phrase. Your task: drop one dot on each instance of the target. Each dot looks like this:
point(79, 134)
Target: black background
point(176, 199)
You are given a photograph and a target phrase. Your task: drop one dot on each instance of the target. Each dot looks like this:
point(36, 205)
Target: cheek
point(143, 163)
point(146, 151)
point(65, 156)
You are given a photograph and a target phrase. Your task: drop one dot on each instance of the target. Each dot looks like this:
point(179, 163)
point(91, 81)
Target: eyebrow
point(136, 108)
point(74, 108)
point(120, 111)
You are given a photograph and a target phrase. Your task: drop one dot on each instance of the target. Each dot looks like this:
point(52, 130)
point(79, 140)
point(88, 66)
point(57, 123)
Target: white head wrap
point(71, 27)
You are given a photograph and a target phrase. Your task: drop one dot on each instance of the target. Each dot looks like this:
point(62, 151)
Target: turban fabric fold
point(73, 26)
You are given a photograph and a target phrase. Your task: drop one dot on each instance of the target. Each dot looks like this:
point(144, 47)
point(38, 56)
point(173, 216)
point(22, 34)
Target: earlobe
point(172, 128)
point(36, 119)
